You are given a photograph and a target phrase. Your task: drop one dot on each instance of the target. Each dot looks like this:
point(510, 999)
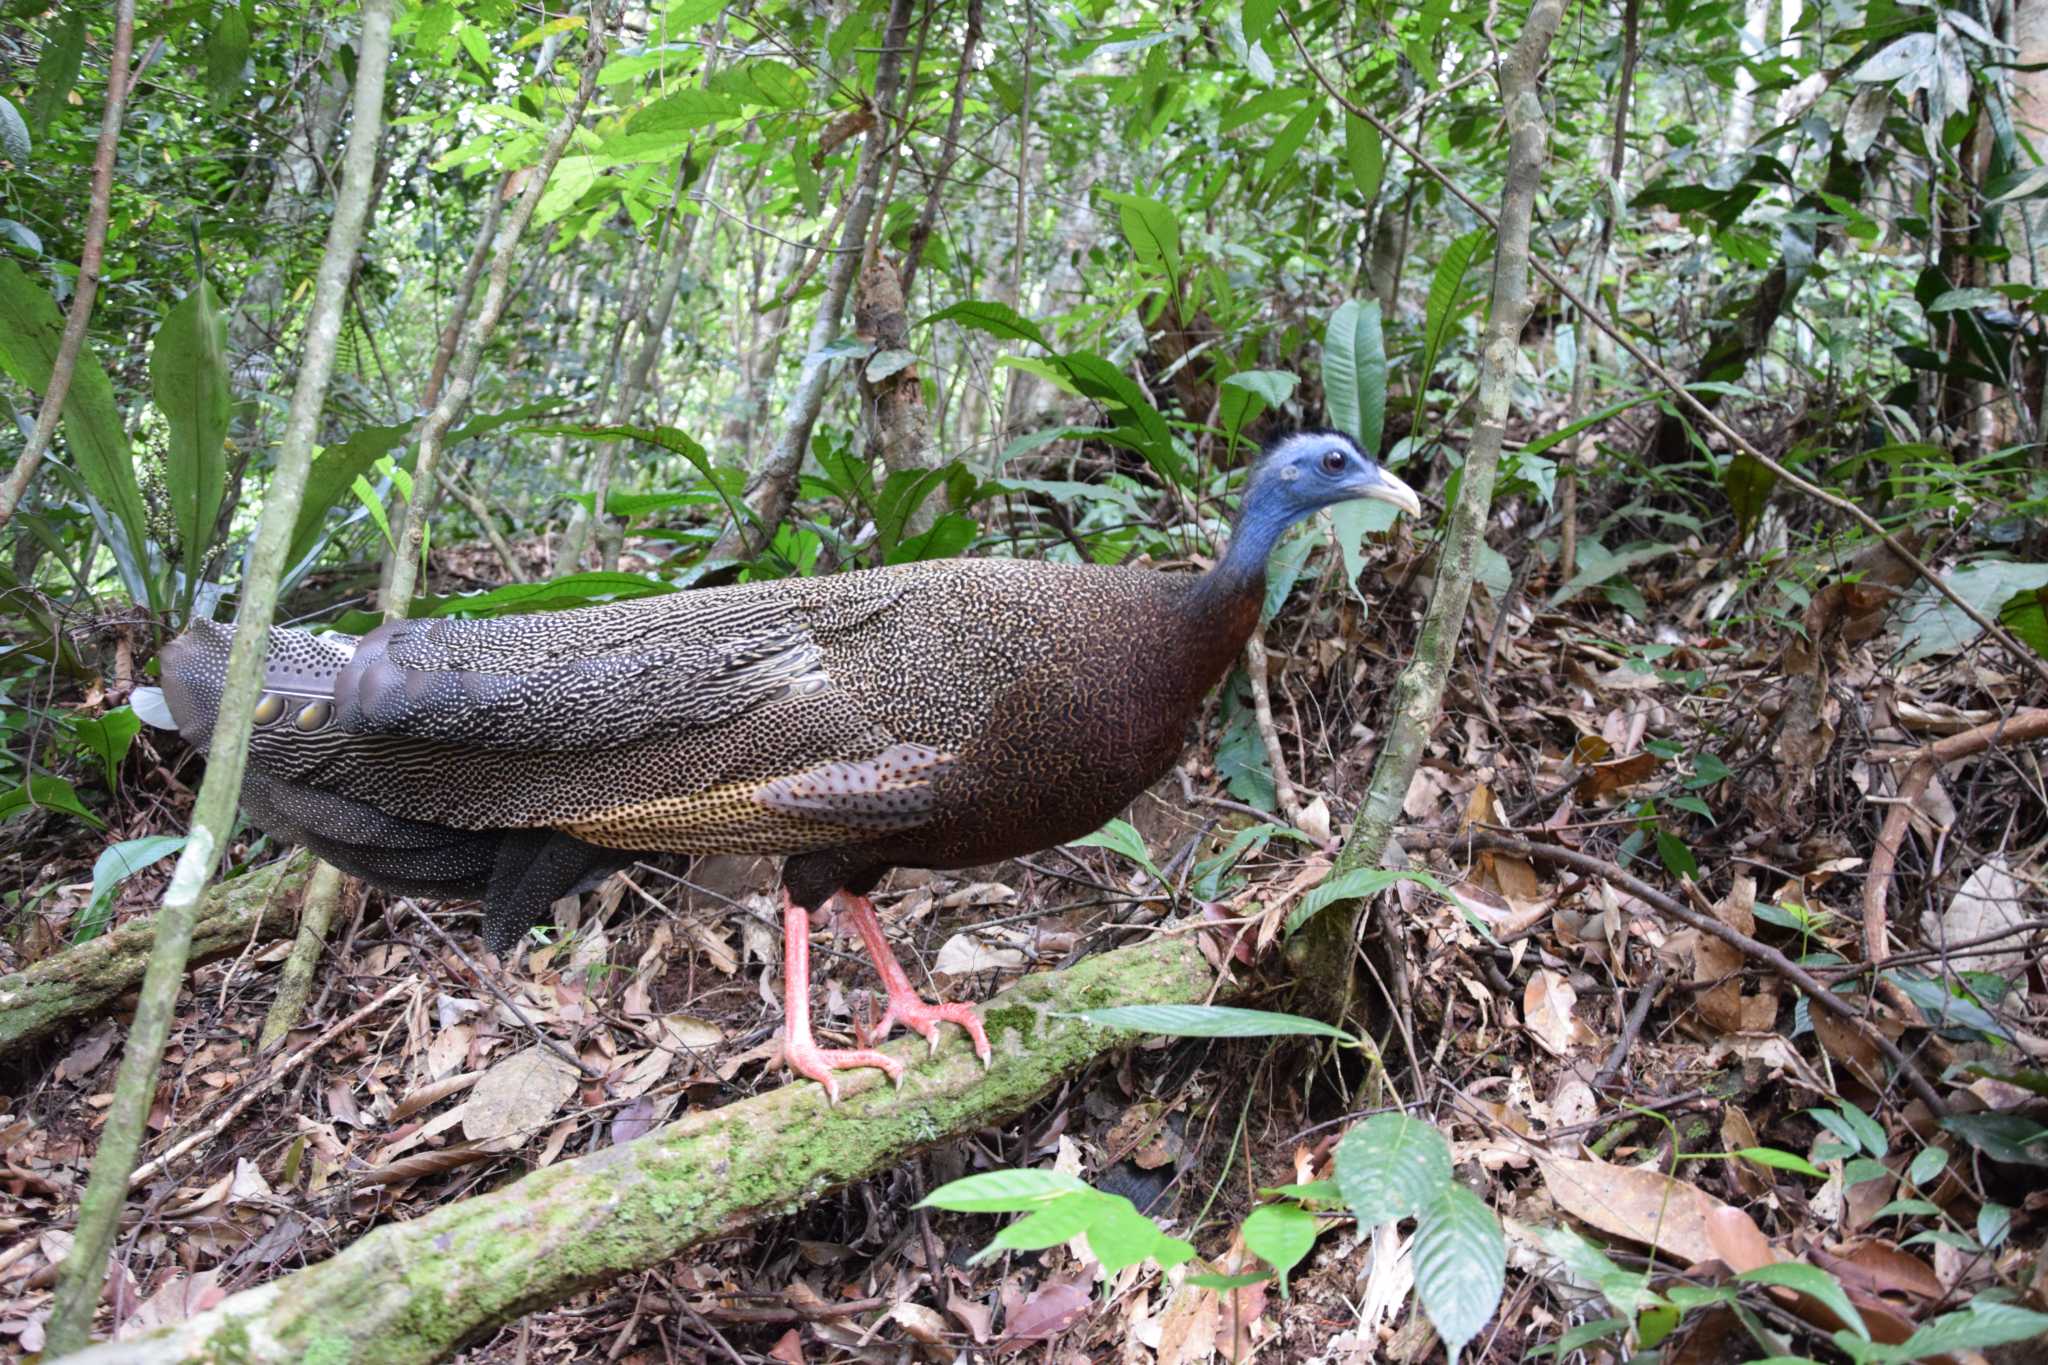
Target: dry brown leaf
point(1991, 900)
point(1547, 1013)
point(449, 1052)
point(1187, 1329)
point(431, 1094)
point(1605, 779)
point(517, 1096)
point(1045, 1314)
point(1629, 1201)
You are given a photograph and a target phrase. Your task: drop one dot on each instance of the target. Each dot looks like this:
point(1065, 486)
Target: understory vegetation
point(1601, 919)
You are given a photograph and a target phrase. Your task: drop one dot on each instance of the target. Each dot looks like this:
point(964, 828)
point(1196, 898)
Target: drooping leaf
point(107, 737)
point(44, 790)
point(997, 319)
point(1391, 1167)
point(1366, 156)
point(30, 331)
point(1355, 372)
point(1448, 305)
point(57, 68)
point(1813, 1282)
point(189, 376)
point(116, 864)
point(1460, 1265)
point(1151, 229)
point(227, 52)
point(1121, 836)
point(1280, 1235)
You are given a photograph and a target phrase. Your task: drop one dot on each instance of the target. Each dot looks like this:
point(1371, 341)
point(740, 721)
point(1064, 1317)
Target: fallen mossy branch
point(260, 905)
point(415, 1291)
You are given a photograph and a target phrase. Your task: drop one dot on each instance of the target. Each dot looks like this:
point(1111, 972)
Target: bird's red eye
point(1333, 462)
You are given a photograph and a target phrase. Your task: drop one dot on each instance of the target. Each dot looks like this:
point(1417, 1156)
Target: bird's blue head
point(1298, 476)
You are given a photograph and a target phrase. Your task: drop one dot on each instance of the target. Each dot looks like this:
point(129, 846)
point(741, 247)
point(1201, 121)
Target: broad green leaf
point(30, 329)
point(1447, 306)
point(1748, 483)
point(1121, 1236)
point(1280, 1235)
point(1248, 393)
point(1151, 229)
point(15, 143)
point(1120, 836)
point(1813, 1282)
point(366, 495)
point(227, 52)
point(1927, 1166)
point(44, 791)
point(334, 472)
point(997, 319)
point(1258, 16)
point(107, 737)
point(1460, 1265)
point(1356, 884)
point(188, 373)
point(1931, 624)
point(1060, 1220)
point(556, 594)
point(1366, 155)
point(1003, 1191)
point(1211, 1021)
point(682, 111)
point(1355, 376)
point(1287, 145)
point(116, 864)
point(1391, 1167)
point(57, 68)
point(1976, 1328)
point(2013, 1139)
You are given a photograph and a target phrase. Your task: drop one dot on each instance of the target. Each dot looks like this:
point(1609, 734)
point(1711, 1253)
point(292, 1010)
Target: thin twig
point(272, 1079)
point(1262, 712)
point(489, 981)
point(1785, 967)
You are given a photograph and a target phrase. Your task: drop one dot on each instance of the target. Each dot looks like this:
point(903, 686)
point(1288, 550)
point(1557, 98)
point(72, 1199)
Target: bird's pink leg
point(905, 1006)
point(804, 1056)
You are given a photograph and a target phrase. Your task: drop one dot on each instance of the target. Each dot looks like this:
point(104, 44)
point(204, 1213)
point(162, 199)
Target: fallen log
point(416, 1291)
point(47, 996)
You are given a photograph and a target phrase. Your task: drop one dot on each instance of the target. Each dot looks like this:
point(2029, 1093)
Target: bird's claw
point(818, 1063)
point(919, 1017)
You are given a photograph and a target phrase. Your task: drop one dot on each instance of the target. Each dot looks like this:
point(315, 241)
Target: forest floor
point(1671, 726)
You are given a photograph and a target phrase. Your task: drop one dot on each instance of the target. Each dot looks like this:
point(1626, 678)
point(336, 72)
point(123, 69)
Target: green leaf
point(1976, 1328)
point(1280, 1235)
point(1258, 16)
point(189, 375)
point(556, 594)
point(366, 494)
point(1282, 153)
point(1356, 884)
point(1365, 154)
point(1003, 1191)
point(1121, 1236)
point(1211, 1021)
point(227, 52)
point(57, 68)
point(1748, 483)
point(1392, 1167)
point(116, 864)
point(1151, 229)
point(15, 143)
point(43, 791)
point(2010, 1138)
point(1355, 377)
point(682, 111)
point(30, 330)
point(1784, 1161)
point(1931, 624)
point(1248, 393)
point(333, 474)
point(1060, 1220)
point(1677, 858)
point(1927, 1166)
point(1447, 306)
point(996, 319)
point(1460, 1265)
point(901, 494)
point(1225, 1283)
point(107, 737)
point(1813, 1282)
point(1120, 836)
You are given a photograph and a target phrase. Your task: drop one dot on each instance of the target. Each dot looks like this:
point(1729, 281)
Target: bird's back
point(775, 717)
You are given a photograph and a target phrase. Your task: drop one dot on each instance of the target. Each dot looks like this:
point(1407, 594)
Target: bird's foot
point(806, 1058)
point(920, 1017)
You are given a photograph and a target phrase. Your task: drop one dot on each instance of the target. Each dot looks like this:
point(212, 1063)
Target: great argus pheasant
point(937, 715)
